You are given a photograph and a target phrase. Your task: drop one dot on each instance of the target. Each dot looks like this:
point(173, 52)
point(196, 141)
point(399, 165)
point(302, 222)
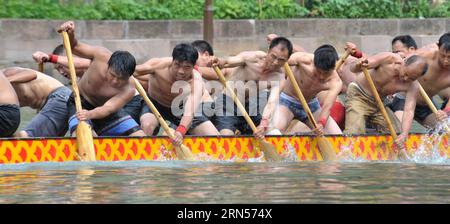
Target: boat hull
point(303, 148)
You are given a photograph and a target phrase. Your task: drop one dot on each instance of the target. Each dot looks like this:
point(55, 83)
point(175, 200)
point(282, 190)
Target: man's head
point(403, 45)
point(62, 69)
point(280, 49)
point(204, 50)
point(121, 66)
point(184, 59)
point(444, 50)
point(325, 58)
point(415, 67)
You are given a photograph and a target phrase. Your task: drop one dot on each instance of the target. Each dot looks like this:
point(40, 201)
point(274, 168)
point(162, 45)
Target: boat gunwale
point(206, 136)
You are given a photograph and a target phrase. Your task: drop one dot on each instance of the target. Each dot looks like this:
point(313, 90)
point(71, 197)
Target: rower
point(252, 73)
point(45, 94)
point(105, 88)
point(314, 73)
point(176, 90)
point(390, 74)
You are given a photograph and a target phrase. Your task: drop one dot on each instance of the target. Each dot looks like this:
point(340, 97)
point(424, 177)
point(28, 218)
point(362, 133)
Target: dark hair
point(284, 42)
point(444, 41)
point(122, 63)
point(417, 59)
point(202, 46)
point(407, 40)
point(58, 50)
point(325, 57)
point(185, 52)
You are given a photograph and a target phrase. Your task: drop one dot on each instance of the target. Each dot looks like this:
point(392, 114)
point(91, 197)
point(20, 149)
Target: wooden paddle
point(183, 152)
point(85, 141)
point(341, 60)
point(41, 67)
point(325, 147)
point(381, 106)
point(430, 104)
point(269, 150)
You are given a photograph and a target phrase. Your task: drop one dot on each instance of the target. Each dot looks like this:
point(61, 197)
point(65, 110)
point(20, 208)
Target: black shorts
point(444, 103)
point(119, 123)
point(229, 117)
point(134, 108)
point(168, 115)
point(9, 119)
point(420, 113)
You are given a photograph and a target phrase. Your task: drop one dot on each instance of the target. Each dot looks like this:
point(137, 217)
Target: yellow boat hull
point(210, 148)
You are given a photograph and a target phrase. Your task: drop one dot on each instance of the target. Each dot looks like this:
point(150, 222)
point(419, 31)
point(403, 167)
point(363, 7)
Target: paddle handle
point(300, 95)
point(380, 103)
point(430, 104)
point(155, 111)
point(341, 60)
point(235, 99)
point(73, 76)
point(41, 67)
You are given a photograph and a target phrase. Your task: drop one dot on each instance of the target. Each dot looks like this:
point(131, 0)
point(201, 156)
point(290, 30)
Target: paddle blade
point(326, 149)
point(184, 153)
point(270, 152)
point(85, 143)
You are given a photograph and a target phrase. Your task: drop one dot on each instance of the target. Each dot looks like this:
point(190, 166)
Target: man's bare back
point(7, 93)
point(32, 93)
point(386, 77)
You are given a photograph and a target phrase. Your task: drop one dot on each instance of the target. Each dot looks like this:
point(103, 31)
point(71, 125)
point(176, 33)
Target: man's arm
point(81, 49)
point(114, 104)
point(150, 66)
point(332, 93)
point(20, 75)
point(193, 101)
point(373, 62)
point(408, 111)
point(300, 58)
point(241, 59)
point(41, 57)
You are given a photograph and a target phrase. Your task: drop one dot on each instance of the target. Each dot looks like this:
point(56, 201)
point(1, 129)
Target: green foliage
point(224, 9)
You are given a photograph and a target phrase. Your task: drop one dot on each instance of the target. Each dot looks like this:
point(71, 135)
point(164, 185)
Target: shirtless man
point(390, 74)
point(167, 76)
point(61, 64)
point(403, 45)
point(45, 94)
point(435, 80)
point(251, 74)
point(205, 53)
point(314, 73)
point(105, 88)
point(9, 108)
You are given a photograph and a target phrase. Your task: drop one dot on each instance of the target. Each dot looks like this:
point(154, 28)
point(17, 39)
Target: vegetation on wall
point(223, 9)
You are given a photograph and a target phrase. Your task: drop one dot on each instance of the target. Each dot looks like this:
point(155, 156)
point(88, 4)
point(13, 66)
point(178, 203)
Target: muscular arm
point(332, 93)
point(274, 97)
point(20, 75)
point(193, 101)
point(243, 58)
point(150, 66)
point(114, 104)
point(300, 58)
point(79, 63)
point(374, 61)
point(410, 105)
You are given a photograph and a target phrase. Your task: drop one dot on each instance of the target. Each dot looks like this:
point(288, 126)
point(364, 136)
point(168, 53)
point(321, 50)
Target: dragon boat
point(212, 148)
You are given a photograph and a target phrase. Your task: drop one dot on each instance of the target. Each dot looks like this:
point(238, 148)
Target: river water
point(225, 182)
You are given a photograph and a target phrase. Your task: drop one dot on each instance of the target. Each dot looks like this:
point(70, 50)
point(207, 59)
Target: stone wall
point(146, 39)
